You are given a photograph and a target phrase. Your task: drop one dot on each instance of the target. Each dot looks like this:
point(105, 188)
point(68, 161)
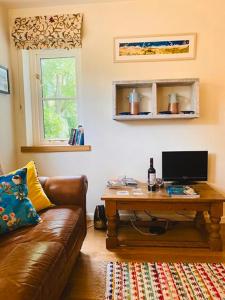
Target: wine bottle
point(151, 177)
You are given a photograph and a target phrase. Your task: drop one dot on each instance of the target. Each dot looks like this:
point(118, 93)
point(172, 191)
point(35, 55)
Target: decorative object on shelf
point(141, 113)
point(134, 102)
point(4, 80)
point(144, 113)
point(155, 48)
point(187, 112)
point(124, 113)
point(173, 105)
point(165, 112)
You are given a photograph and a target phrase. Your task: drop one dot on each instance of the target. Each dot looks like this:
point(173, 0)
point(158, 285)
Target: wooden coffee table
point(210, 201)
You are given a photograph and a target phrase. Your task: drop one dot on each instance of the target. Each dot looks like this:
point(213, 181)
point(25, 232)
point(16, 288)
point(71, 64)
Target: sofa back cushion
point(36, 193)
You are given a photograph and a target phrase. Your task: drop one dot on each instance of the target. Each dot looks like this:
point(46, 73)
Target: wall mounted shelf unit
point(155, 95)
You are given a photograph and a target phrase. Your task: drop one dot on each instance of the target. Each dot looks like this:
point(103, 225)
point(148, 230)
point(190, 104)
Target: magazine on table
point(181, 191)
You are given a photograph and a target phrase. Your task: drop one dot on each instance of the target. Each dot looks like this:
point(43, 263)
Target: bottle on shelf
point(151, 177)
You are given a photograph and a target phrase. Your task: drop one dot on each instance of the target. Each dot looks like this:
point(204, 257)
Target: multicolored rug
point(165, 281)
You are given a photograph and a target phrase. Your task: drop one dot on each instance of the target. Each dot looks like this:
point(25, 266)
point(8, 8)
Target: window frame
point(35, 57)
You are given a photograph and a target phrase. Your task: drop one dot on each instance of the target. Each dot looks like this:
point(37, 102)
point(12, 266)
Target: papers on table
point(134, 192)
point(122, 193)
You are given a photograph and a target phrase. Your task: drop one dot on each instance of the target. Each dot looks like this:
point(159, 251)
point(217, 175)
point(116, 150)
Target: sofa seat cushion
point(60, 224)
point(29, 270)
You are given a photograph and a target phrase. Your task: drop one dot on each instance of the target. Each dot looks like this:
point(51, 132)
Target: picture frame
point(155, 47)
point(4, 80)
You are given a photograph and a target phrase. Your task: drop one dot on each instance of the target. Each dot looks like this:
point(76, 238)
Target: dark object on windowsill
point(100, 217)
point(79, 135)
point(187, 112)
point(72, 136)
point(165, 112)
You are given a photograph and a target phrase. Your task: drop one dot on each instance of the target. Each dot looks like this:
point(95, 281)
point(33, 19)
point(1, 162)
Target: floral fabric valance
point(56, 32)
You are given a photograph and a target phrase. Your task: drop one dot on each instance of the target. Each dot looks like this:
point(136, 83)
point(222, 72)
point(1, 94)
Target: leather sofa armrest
point(66, 190)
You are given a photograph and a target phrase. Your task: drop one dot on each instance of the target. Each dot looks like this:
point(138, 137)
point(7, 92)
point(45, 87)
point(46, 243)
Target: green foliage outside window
point(58, 97)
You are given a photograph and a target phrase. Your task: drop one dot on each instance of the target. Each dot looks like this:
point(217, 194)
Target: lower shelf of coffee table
point(181, 234)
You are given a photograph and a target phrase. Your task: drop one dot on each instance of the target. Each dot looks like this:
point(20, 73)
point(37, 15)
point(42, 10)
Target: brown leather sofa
point(35, 261)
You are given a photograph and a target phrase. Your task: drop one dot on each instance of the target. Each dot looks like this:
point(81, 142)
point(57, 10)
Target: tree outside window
point(59, 92)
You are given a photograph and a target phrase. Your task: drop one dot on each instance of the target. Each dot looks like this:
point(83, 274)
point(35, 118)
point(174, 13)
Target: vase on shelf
point(173, 105)
point(134, 102)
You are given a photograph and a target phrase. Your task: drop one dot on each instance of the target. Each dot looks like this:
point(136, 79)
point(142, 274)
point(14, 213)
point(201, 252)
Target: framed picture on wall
point(155, 48)
point(4, 80)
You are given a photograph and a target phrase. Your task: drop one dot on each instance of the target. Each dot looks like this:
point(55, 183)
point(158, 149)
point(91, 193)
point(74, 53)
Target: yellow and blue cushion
point(16, 209)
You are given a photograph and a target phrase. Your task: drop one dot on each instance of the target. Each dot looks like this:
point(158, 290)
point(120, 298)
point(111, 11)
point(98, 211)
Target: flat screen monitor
point(185, 166)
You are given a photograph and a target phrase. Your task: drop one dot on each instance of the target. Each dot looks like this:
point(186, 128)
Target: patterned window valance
point(59, 31)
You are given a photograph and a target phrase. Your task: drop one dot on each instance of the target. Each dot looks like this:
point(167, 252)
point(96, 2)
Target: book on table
point(121, 182)
point(181, 191)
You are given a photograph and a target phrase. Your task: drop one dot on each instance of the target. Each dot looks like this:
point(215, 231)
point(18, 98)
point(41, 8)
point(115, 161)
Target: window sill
point(55, 148)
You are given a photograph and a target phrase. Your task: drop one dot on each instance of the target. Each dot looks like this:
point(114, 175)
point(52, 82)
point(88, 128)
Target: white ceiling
point(36, 3)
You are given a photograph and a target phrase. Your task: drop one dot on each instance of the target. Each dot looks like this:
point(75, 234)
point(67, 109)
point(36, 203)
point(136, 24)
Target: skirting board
point(90, 217)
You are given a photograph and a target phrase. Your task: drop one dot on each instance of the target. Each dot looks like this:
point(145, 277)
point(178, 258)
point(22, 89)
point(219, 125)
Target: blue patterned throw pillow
point(16, 209)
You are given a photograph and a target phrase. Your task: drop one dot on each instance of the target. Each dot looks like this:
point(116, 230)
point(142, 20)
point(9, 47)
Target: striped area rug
point(165, 281)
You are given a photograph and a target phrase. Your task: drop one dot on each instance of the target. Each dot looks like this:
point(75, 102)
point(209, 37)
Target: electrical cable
point(154, 218)
point(139, 230)
point(136, 216)
point(184, 215)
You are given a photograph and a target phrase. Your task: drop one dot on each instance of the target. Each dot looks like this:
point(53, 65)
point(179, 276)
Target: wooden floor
point(87, 281)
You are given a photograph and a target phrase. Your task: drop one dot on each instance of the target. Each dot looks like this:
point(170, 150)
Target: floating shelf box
point(155, 98)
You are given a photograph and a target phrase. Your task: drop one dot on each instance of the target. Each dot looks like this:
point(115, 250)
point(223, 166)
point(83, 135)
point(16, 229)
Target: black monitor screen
point(185, 165)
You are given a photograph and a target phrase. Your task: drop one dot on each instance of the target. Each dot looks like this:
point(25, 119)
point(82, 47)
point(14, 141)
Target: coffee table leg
point(117, 218)
point(199, 220)
point(111, 214)
point(215, 240)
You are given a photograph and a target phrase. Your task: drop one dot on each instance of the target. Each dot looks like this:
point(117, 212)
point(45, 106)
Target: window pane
point(59, 117)
point(58, 77)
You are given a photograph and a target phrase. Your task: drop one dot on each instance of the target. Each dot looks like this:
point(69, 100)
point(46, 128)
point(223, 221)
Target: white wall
point(7, 150)
point(120, 148)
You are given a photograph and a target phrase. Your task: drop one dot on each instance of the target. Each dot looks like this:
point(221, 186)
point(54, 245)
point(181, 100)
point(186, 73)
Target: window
point(54, 94)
